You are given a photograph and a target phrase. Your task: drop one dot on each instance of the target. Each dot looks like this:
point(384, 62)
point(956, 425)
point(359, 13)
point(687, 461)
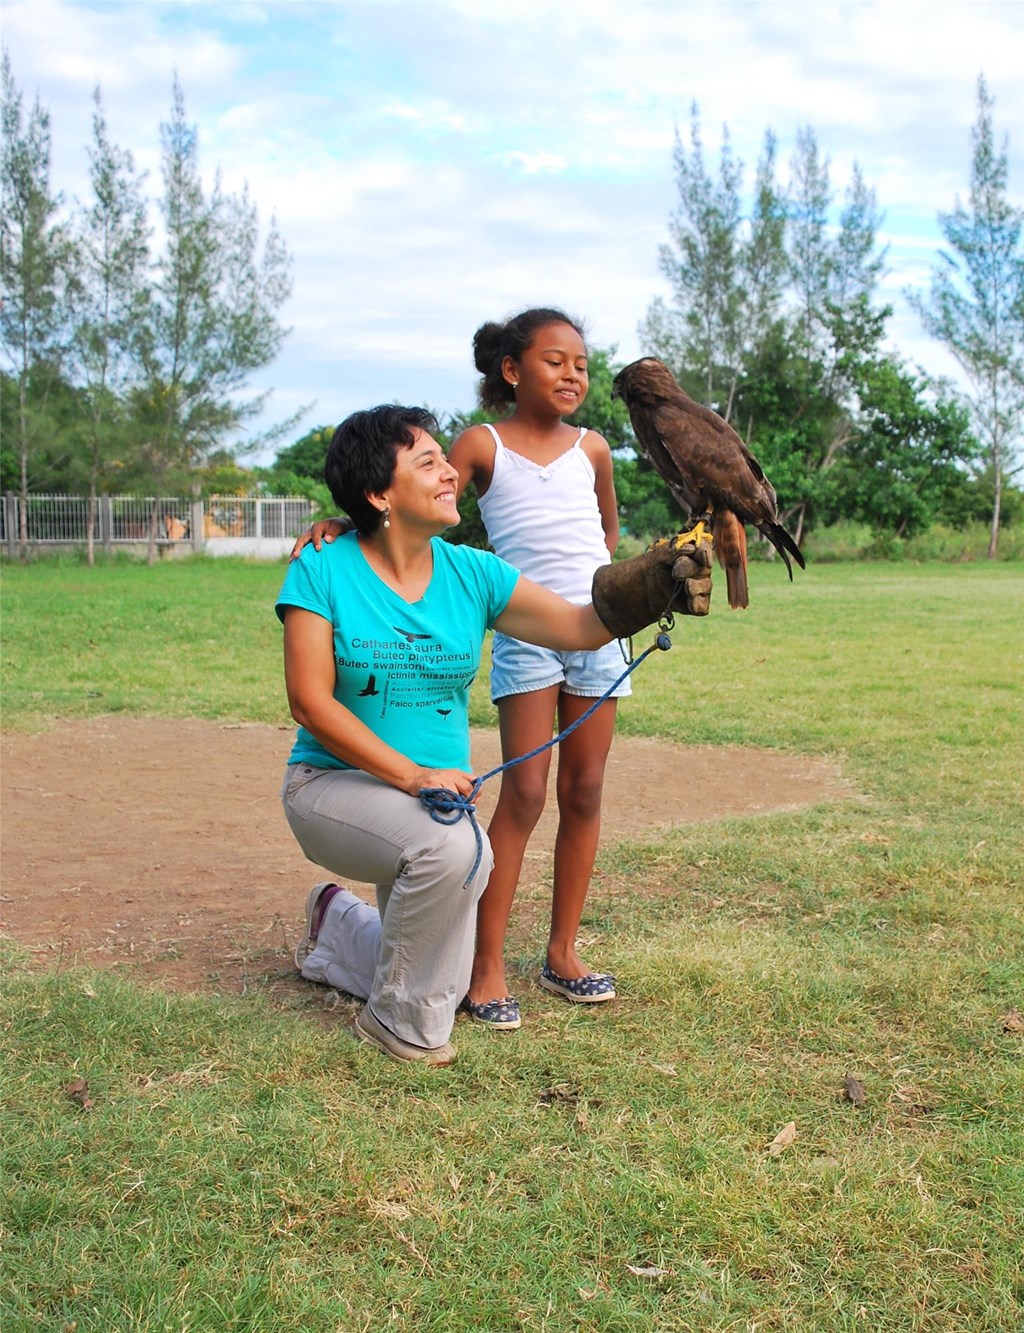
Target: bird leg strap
point(670, 576)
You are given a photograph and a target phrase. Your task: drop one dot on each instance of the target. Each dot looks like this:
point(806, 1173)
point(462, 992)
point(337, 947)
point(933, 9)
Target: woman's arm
point(539, 615)
point(310, 677)
point(628, 595)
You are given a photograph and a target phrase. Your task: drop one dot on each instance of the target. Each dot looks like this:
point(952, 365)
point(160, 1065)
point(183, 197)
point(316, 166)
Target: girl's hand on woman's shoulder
point(323, 530)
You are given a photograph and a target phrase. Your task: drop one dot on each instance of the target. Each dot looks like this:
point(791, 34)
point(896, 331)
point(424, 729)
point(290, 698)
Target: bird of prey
point(707, 467)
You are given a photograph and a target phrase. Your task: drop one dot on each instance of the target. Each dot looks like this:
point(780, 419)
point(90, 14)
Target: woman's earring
point(387, 516)
point(514, 383)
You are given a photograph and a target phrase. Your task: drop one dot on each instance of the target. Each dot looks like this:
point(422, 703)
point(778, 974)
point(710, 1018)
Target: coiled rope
point(448, 807)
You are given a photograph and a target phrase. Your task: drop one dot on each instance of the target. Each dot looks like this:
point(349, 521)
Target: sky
point(433, 164)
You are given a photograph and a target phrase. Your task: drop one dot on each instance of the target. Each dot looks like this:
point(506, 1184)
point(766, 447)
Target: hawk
point(707, 467)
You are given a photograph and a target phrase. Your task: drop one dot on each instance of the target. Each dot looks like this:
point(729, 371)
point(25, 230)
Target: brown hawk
point(707, 467)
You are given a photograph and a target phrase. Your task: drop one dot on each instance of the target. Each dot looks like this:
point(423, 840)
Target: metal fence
point(243, 524)
point(255, 516)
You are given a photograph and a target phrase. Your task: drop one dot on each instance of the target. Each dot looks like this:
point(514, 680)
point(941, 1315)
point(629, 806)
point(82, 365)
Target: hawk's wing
point(713, 461)
point(652, 443)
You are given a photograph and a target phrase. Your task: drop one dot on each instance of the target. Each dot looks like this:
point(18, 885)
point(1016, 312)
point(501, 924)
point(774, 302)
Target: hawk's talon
point(699, 535)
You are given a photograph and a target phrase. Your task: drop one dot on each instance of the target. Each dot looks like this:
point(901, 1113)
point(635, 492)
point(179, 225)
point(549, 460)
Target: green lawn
point(245, 1166)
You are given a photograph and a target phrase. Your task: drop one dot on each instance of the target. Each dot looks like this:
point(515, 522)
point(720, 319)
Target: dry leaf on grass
point(782, 1140)
point(558, 1092)
point(381, 1208)
point(853, 1090)
point(78, 1091)
point(649, 1271)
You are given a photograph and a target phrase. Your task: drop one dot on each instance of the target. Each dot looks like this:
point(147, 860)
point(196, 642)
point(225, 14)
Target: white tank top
point(545, 520)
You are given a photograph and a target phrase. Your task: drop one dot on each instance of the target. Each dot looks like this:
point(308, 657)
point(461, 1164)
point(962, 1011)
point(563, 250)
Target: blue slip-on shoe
point(502, 1015)
point(591, 989)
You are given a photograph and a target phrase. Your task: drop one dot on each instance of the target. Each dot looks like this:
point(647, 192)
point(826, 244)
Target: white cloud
point(430, 116)
point(532, 164)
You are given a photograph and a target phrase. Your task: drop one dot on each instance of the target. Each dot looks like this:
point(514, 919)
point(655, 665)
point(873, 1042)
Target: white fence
point(256, 525)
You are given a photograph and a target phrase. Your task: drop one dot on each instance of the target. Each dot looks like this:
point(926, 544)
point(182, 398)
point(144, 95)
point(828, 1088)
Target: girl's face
point(552, 371)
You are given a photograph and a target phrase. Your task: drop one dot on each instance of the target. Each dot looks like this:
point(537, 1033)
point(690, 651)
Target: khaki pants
point(412, 957)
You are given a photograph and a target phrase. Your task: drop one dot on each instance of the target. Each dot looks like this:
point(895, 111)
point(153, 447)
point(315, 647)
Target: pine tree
point(212, 319)
point(975, 305)
point(109, 295)
point(33, 258)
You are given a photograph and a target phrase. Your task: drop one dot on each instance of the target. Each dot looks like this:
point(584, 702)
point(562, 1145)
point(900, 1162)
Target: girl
point(547, 499)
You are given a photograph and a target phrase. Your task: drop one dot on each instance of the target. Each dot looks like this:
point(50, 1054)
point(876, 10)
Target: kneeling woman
point(382, 637)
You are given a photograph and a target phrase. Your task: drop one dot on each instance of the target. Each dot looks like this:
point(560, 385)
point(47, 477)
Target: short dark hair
point(361, 457)
point(492, 343)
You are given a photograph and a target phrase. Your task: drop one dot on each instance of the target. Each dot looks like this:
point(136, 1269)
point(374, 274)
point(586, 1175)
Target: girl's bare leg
point(525, 721)
point(581, 766)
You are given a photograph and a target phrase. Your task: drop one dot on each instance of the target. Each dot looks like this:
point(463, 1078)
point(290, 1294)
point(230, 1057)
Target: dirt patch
point(162, 845)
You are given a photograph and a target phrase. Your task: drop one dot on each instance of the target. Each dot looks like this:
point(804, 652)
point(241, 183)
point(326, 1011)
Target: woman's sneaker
point(317, 903)
point(370, 1029)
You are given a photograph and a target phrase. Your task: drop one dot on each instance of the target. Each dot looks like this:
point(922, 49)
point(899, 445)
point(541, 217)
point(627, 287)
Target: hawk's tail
point(783, 543)
point(731, 549)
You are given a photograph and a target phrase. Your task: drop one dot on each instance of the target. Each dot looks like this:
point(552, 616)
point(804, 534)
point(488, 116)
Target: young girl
point(547, 499)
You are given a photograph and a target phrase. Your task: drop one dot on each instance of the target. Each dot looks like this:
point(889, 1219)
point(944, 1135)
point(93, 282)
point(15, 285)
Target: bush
point(859, 541)
point(840, 541)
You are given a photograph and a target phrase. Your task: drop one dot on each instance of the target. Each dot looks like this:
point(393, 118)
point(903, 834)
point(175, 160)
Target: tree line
point(126, 364)
point(776, 323)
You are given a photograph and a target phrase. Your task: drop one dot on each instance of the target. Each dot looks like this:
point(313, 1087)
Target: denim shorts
point(519, 668)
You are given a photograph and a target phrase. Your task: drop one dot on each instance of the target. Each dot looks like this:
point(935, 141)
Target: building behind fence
point(264, 526)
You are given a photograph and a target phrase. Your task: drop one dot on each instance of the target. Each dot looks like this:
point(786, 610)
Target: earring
point(387, 516)
point(514, 383)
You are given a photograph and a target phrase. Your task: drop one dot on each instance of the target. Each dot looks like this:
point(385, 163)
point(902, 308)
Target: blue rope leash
point(448, 807)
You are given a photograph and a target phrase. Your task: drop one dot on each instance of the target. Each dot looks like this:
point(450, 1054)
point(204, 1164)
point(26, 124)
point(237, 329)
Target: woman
point(382, 638)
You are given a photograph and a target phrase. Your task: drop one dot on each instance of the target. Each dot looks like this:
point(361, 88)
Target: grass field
point(246, 1167)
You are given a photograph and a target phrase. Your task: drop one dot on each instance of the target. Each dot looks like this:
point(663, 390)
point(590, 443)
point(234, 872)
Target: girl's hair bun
point(486, 345)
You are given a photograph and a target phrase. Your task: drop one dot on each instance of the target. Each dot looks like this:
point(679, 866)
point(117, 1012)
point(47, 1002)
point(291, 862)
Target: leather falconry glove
point(634, 593)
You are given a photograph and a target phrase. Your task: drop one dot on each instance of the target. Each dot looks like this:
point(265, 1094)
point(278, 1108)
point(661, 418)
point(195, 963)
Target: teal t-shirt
point(402, 668)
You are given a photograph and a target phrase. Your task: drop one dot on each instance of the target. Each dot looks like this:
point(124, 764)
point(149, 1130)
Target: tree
point(298, 469)
point(698, 334)
point(108, 301)
point(975, 305)
point(33, 253)
point(305, 458)
point(212, 316)
point(905, 466)
point(701, 265)
point(773, 323)
point(726, 271)
point(599, 411)
point(835, 331)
